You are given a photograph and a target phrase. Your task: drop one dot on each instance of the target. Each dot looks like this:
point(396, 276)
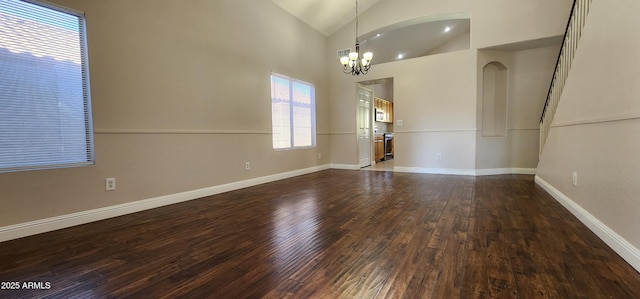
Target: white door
point(364, 125)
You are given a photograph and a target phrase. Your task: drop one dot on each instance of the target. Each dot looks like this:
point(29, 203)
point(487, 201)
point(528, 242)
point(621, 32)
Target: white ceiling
point(326, 16)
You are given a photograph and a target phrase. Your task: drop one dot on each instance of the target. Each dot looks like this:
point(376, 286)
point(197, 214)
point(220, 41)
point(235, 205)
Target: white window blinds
point(45, 111)
point(293, 113)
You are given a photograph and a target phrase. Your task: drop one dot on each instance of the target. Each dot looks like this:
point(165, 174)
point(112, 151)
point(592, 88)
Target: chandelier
point(353, 64)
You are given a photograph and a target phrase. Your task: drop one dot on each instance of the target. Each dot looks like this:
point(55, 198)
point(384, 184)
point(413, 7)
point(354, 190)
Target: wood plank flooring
point(332, 234)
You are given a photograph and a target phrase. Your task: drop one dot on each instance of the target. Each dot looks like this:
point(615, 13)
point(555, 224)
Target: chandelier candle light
point(353, 64)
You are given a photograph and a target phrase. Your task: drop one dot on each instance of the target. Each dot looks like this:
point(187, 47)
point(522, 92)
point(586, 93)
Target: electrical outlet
point(247, 165)
point(438, 157)
point(575, 178)
point(110, 184)
point(319, 156)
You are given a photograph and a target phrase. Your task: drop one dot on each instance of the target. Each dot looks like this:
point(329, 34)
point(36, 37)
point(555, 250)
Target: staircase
point(572, 35)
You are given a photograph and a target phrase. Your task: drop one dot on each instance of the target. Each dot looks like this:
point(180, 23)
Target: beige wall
point(384, 90)
point(423, 88)
point(597, 124)
point(436, 96)
point(497, 22)
point(529, 74)
point(181, 99)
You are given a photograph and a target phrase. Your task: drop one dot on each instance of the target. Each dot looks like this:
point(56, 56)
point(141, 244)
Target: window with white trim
point(293, 113)
point(45, 107)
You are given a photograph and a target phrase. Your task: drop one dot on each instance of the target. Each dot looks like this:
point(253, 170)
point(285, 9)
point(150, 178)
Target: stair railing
point(572, 34)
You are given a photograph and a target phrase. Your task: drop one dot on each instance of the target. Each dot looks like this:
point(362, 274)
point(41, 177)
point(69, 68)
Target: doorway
point(374, 102)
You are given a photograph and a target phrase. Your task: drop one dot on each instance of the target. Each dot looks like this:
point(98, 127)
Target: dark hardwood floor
point(332, 234)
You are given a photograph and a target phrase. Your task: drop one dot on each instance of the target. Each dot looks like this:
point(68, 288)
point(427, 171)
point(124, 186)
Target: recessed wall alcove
point(494, 100)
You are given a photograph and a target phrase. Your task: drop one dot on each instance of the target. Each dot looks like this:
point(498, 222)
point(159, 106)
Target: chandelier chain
point(356, 21)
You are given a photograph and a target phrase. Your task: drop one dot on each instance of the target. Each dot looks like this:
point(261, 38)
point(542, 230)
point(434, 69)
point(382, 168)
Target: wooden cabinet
point(379, 147)
point(384, 110)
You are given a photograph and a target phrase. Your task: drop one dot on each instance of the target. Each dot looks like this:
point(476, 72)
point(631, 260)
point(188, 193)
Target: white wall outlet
point(400, 122)
point(438, 157)
point(110, 184)
point(319, 156)
point(575, 178)
point(247, 165)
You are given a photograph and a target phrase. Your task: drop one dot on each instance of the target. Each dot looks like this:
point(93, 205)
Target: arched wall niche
point(494, 100)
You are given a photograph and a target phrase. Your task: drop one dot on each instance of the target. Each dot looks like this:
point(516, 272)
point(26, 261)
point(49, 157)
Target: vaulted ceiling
point(326, 16)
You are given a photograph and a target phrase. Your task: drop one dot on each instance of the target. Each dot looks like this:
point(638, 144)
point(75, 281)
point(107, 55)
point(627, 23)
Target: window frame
point(292, 105)
point(89, 153)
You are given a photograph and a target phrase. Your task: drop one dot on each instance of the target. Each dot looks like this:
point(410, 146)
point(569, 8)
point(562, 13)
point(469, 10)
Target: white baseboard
point(498, 171)
point(471, 172)
point(628, 252)
point(345, 166)
point(451, 171)
point(50, 224)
